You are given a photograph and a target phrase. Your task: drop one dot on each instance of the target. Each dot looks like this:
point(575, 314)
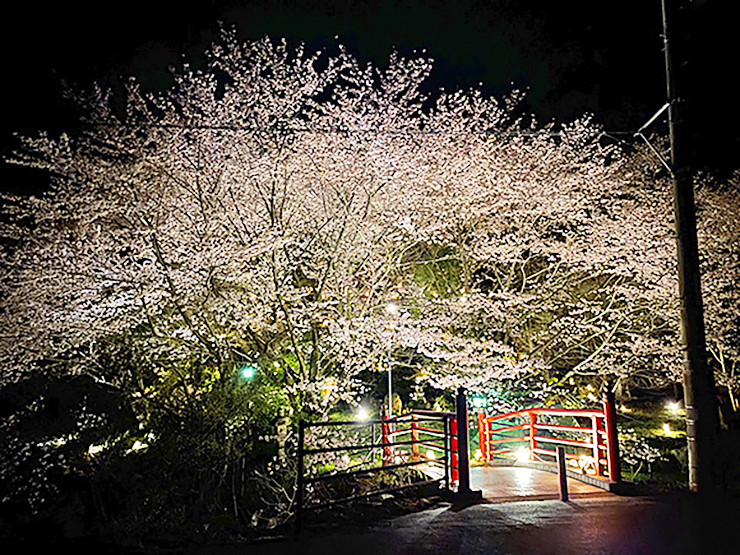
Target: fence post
point(482, 437)
point(600, 446)
point(448, 452)
point(299, 476)
point(532, 434)
point(372, 442)
point(612, 438)
point(454, 467)
point(595, 442)
point(414, 438)
point(562, 474)
point(463, 449)
point(387, 450)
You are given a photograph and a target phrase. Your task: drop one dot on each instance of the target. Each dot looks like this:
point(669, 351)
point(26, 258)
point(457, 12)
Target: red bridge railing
point(426, 436)
point(534, 434)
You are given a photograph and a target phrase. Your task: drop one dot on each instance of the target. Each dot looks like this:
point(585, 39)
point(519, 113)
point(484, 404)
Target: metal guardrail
point(397, 446)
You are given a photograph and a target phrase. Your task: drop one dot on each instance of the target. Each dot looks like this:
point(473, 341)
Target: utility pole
point(698, 379)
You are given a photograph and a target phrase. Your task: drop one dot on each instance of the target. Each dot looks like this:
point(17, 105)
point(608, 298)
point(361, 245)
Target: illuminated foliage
point(264, 211)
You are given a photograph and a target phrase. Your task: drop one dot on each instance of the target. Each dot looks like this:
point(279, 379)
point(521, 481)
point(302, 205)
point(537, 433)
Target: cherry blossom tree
point(277, 225)
point(266, 209)
point(719, 236)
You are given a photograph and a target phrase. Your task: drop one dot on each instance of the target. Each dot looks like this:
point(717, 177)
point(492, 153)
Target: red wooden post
point(487, 428)
point(612, 438)
point(482, 437)
point(595, 442)
point(447, 435)
point(602, 454)
point(415, 438)
point(532, 433)
point(387, 450)
point(453, 452)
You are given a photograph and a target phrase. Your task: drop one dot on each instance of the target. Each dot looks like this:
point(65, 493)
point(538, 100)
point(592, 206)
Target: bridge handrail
point(602, 442)
point(445, 442)
point(545, 410)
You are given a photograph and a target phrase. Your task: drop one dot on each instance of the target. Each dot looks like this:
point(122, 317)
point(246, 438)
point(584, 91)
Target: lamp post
point(390, 385)
point(392, 310)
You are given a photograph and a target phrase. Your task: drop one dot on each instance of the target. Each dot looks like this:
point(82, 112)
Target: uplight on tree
point(248, 371)
point(392, 309)
point(362, 414)
point(673, 406)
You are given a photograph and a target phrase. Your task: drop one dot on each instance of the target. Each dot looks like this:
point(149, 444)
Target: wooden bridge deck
point(501, 484)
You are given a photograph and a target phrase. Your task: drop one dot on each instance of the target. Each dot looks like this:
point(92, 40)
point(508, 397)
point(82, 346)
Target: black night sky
point(574, 58)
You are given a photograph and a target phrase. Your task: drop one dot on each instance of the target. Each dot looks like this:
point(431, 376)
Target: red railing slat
point(598, 445)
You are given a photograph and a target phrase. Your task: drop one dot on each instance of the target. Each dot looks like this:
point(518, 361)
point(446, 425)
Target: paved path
point(594, 523)
point(520, 515)
point(590, 526)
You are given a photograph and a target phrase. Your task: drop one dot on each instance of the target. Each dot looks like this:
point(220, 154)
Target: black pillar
point(463, 447)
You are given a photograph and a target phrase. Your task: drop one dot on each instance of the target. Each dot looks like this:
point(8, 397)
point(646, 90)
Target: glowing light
point(479, 402)
point(431, 456)
point(666, 428)
point(589, 387)
point(138, 445)
point(248, 371)
point(478, 455)
point(587, 464)
point(94, 449)
point(392, 309)
point(523, 454)
point(362, 413)
point(673, 406)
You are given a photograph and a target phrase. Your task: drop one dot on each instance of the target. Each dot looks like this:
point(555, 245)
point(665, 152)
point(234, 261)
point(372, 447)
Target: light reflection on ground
point(511, 482)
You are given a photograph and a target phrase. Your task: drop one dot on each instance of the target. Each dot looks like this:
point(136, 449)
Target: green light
point(248, 371)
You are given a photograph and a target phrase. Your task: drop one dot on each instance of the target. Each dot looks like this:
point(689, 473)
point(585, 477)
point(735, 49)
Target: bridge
point(537, 453)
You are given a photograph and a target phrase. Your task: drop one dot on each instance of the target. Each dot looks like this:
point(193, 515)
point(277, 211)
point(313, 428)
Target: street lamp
point(392, 310)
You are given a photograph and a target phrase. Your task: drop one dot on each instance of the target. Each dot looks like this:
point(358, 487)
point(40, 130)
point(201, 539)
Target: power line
point(349, 131)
